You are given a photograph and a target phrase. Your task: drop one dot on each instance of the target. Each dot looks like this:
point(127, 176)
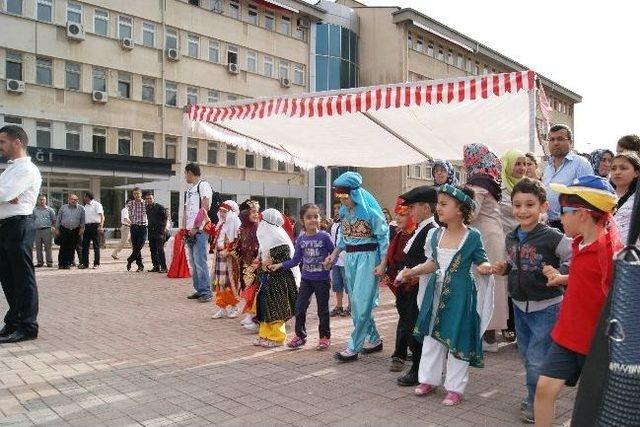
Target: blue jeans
point(198, 249)
point(534, 339)
point(338, 279)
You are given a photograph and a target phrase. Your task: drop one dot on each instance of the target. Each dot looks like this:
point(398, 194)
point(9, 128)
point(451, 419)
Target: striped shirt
point(137, 212)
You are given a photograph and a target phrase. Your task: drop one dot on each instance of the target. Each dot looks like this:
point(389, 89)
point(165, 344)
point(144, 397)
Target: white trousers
point(125, 232)
point(432, 367)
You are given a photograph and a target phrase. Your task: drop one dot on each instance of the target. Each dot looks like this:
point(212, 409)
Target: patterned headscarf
point(484, 168)
point(596, 158)
point(448, 167)
point(508, 162)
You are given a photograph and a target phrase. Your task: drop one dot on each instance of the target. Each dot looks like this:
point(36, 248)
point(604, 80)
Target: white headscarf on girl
point(231, 224)
point(271, 234)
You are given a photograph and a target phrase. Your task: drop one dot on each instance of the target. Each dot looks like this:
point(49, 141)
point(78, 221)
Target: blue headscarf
point(448, 167)
point(596, 158)
point(366, 205)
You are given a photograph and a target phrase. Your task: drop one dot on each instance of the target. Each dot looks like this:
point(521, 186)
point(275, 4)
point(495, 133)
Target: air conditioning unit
point(285, 82)
point(99, 96)
point(75, 31)
point(127, 43)
point(233, 68)
point(173, 54)
point(302, 22)
point(15, 86)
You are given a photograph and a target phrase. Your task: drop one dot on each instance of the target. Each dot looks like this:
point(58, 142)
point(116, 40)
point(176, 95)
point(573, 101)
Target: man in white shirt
point(197, 197)
point(125, 229)
point(93, 227)
point(19, 188)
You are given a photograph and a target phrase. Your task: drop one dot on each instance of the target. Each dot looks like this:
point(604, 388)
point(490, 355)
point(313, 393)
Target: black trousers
point(138, 236)
point(69, 239)
point(17, 273)
point(156, 245)
point(90, 235)
point(308, 288)
point(407, 306)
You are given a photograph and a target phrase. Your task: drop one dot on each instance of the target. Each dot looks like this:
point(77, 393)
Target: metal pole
point(396, 134)
point(532, 120)
point(327, 191)
point(183, 163)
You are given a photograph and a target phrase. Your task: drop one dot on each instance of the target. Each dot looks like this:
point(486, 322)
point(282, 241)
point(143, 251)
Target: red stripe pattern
point(466, 89)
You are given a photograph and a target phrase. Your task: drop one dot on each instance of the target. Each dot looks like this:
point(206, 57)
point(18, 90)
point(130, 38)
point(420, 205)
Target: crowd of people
point(521, 252)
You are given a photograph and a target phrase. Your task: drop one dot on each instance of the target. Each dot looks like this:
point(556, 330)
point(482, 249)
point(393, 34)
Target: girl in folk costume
point(451, 318)
point(484, 176)
point(276, 299)
point(225, 262)
point(247, 253)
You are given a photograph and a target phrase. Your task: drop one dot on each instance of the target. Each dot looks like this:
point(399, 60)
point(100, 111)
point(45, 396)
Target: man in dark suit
point(157, 220)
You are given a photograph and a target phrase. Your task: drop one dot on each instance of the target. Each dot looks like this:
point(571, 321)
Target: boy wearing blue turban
point(364, 235)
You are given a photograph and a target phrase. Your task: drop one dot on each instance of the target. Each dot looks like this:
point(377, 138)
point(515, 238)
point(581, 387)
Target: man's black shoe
point(7, 330)
point(140, 268)
point(39, 265)
point(374, 349)
point(194, 295)
point(81, 266)
point(162, 270)
point(154, 270)
point(409, 379)
point(205, 298)
point(128, 265)
point(339, 356)
point(18, 336)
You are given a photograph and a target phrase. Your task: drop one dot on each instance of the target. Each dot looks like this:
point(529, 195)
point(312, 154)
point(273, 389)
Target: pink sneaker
point(452, 398)
point(323, 344)
point(423, 389)
point(296, 342)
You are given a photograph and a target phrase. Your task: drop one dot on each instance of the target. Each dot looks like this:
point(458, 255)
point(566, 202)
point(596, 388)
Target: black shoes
point(140, 269)
point(194, 295)
point(154, 270)
point(205, 298)
point(128, 265)
point(39, 265)
point(81, 266)
point(18, 336)
point(376, 348)
point(162, 270)
point(7, 330)
point(409, 379)
point(346, 356)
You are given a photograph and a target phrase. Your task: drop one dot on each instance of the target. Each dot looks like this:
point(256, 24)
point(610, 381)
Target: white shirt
point(423, 224)
point(21, 179)
point(92, 212)
point(124, 216)
point(192, 201)
point(623, 218)
point(335, 229)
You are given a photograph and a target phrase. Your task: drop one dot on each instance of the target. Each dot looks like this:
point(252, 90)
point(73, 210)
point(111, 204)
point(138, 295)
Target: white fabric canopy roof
point(383, 126)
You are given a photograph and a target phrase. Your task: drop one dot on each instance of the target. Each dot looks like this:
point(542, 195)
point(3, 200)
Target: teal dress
point(456, 322)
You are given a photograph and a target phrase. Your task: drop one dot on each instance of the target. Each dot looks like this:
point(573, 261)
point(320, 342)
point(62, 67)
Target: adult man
point(93, 227)
point(197, 197)
point(19, 188)
point(69, 229)
point(563, 167)
point(138, 217)
point(44, 218)
point(628, 143)
point(157, 218)
point(125, 231)
point(422, 204)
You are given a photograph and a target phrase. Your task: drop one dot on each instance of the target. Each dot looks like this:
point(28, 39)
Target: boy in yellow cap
point(585, 212)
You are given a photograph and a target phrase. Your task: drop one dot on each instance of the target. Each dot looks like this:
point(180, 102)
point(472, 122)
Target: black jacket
point(416, 253)
point(156, 218)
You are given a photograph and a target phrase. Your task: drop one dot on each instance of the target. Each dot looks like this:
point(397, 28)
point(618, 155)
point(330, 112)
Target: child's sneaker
point(270, 343)
point(423, 389)
point(250, 327)
point(346, 312)
point(452, 398)
point(247, 320)
point(232, 312)
point(296, 342)
point(323, 344)
point(337, 311)
point(220, 314)
point(257, 341)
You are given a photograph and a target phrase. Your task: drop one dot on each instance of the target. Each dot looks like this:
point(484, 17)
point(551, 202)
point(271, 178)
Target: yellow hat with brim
point(594, 190)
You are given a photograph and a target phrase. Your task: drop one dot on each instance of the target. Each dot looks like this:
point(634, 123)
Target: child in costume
point(247, 253)
point(451, 320)
point(364, 235)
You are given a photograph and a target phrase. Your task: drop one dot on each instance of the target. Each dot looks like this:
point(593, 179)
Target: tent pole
point(183, 164)
point(327, 191)
point(394, 133)
point(532, 120)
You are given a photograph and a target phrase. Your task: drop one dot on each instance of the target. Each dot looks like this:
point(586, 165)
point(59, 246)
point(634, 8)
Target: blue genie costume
point(364, 235)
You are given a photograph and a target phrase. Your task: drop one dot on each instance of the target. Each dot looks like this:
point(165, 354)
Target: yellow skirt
point(274, 331)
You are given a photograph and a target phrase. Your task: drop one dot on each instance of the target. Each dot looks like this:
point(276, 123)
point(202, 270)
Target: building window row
point(560, 106)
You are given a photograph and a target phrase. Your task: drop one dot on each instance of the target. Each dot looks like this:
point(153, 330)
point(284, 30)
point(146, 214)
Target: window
point(296, 168)
point(171, 39)
point(148, 145)
point(99, 138)
point(252, 62)
point(170, 144)
point(450, 58)
point(43, 134)
point(215, 5)
point(124, 85)
point(469, 65)
point(74, 12)
point(192, 95)
point(13, 65)
point(99, 79)
point(476, 68)
point(268, 66)
point(124, 142)
point(232, 55)
point(213, 96)
point(250, 160)
point(14, 7)
point(299, 33)
point(192, 150)
point(417, 171)
point(252, 15)
point(282, 166)
point(193, 46)
point(44, 71)
point(234, 9)
point(419, 44)
point(440, 54)
point(149, 34)
point(410, 42)
point(149, 89)
point(73, 137)
point(45, 10)
point(298, 75)
point(125, 27)
point(460, 62)
point(101, 22)
point(13, 120)
point(194, 2)
point(266, 163)
point(214, 51)
point(484, 70)
point(212, 153)
point(283, 70)
point(232, 156)
point(269, 21)
point(430, 49)
point(171, 94)
point(285, 25)
point(232, 97)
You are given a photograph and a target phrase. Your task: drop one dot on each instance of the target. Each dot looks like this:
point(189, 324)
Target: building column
point(94, 186)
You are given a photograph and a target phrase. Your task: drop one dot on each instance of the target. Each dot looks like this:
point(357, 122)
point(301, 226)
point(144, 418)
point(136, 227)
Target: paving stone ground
point(121, 348)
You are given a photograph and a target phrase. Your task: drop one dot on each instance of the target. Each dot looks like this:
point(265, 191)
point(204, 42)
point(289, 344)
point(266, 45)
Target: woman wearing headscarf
point(443, 173)
point(276, 299)
point(247, 254)
point(514, 166)
point(484, 170)
point(601, 161)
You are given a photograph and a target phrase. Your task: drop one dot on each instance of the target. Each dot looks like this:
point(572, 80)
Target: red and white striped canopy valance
point(431, 92)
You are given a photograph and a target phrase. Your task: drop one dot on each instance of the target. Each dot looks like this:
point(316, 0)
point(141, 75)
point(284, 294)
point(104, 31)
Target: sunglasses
point(566, 209)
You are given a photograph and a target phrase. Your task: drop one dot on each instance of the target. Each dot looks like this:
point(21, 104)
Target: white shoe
point(250, 327)
point(232, 312)
point(220, 314)
point(248, 319)
point(490, 348)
